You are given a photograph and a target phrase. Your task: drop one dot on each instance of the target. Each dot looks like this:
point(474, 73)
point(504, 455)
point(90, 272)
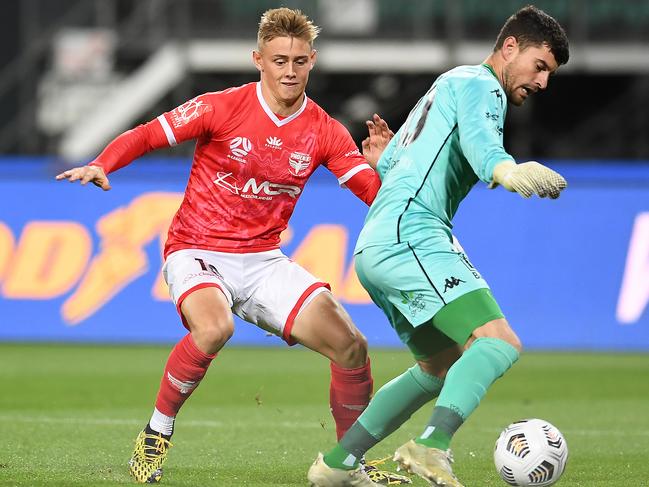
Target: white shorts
point(266, 289)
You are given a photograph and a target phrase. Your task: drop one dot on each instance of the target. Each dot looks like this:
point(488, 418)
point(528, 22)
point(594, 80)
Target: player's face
point(284, 64)
point(527, 72)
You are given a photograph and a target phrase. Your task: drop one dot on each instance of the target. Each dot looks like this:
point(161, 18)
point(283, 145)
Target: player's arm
point(118, 153)
point(377, 140)
point(169, 129)
point(342, 157)
point(481, 116)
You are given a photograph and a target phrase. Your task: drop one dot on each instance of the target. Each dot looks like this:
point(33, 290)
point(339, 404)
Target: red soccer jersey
point(249, 167)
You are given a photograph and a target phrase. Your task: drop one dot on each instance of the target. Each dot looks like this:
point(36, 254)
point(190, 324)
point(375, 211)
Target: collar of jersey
point(490, 69)
point(270, 113)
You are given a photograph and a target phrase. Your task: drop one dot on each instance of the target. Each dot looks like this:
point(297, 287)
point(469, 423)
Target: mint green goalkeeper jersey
point(452, 138)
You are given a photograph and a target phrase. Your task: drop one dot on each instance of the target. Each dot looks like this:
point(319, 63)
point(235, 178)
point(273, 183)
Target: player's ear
point(510, 48)
point(312, 58)
point(256, 59)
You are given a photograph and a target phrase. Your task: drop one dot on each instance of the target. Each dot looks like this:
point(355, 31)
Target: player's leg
point(205, 311)
point(295, 305)
point(395, 402)
point(207, 315)
point(491, 349)
point(397, 280)
point(325, 327)
point(469, 316)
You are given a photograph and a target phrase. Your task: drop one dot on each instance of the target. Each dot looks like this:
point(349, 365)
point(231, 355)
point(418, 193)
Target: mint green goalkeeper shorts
point(433, 297)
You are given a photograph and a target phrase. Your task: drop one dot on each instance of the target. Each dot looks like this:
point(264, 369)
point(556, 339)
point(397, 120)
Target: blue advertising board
point(80, 264)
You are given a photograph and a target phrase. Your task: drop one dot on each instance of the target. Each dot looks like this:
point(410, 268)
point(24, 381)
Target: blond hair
point(285, 22)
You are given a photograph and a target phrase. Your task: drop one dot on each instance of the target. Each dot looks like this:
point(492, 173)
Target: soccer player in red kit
point(257, 145)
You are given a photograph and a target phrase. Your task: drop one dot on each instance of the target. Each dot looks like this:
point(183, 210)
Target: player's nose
point(542, 80)
point(291, 70)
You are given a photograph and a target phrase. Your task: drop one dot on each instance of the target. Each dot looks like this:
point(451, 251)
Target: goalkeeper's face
point(528, 71)
point(284, 64)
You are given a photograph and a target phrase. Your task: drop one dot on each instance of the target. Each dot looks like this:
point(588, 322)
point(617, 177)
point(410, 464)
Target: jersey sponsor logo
point(196, 275)
point(228, 181)
point(499, 96)
point(239, 148)
point(274, 142)
point(451, 282)
point(265, 190)
point(415, 301)
point(298, 162)
point(354, 152)
point(188, 111)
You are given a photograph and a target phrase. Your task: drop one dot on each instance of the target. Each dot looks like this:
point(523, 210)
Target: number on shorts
point(208, 267)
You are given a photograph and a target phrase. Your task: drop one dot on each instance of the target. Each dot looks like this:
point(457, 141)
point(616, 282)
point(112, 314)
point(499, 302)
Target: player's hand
point(379, 137)
point(86, 174)
point(529, 178)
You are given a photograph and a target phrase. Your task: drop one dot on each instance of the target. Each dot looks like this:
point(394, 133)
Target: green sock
point(390, 407)
point(338, 457)
point(466, 383)
point(396, 401)
point(442, 426)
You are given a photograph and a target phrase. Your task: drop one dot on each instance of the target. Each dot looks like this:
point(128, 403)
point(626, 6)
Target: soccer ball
point(530, 452)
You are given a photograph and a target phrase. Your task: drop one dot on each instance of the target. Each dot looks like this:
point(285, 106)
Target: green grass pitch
point(69, 414)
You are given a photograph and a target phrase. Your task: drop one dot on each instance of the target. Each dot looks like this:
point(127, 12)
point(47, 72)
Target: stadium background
point(76, 264)
point(80, 265)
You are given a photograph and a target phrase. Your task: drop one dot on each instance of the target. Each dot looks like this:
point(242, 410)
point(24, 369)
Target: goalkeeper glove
point(528, 178)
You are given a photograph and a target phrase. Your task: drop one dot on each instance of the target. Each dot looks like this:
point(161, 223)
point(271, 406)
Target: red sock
point(185, 368)
point(349, 394)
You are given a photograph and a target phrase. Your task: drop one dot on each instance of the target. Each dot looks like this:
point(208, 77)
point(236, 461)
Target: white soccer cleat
point(322, 475)
point(431, 464)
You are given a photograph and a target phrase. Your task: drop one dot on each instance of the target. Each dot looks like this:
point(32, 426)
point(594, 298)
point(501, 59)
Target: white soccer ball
point(531, 452)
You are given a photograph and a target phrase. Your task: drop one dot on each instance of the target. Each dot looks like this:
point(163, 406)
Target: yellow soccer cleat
point(322, 475)
point(383, 477)
point(148, 456)
point(431, 464)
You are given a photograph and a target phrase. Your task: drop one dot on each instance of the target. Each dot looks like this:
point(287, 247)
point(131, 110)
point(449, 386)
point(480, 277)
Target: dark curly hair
point(531, 26)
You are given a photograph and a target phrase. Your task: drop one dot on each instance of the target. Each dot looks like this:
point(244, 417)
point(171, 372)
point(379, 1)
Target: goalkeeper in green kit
point(407, 260)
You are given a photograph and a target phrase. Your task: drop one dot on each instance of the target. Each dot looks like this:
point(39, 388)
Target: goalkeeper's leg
point(491, 351)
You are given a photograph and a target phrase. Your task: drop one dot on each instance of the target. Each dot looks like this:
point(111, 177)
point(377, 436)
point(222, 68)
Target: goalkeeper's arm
point(528, 178)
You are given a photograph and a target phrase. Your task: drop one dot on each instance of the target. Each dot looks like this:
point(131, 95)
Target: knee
point(211, 335)
point(499, 329)
point(516, 343)
point(352, 351)
point(440, 364)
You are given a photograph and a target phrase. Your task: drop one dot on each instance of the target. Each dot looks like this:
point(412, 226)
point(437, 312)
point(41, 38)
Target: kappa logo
point(298, 162)
point(254, 190)
point(274, 142)
point(188, 111)
point(240, 147)
point(451, 282)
